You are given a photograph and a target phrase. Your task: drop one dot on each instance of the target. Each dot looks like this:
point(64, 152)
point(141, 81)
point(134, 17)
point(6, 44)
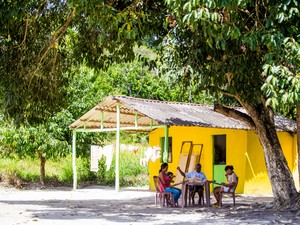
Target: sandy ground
point(103, 205)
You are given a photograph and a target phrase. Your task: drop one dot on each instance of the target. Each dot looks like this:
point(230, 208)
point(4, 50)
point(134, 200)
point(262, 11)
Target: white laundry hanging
point(95, 156)
point(152, 153)
point(156, 153)
point(108, 151)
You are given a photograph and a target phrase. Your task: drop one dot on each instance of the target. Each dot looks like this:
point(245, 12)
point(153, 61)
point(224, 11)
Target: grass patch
point(23, 172)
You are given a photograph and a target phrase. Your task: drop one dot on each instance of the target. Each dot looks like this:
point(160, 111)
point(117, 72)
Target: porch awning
point(139, 114)
point(102, 117)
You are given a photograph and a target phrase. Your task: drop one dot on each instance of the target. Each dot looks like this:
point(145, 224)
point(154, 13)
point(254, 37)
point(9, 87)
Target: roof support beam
point(117, 180)
point(110, 121)
point(102, 119)
point(74, 160)
point(166, 145)
point(121, 128)
point(136, 120)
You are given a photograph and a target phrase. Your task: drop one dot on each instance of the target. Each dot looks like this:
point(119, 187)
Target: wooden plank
point(195, 156)
point(194, 159)
point(183, 159)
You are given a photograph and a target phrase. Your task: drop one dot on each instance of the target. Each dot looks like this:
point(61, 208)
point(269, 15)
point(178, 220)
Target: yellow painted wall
point(289, 147)
point(244, 152)
point(256, 176)
point(236, 144)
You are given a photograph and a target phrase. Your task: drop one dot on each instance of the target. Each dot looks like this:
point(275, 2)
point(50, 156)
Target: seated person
point(196, 188)
point(226, 187)
point(166, 181)
point(170, 175)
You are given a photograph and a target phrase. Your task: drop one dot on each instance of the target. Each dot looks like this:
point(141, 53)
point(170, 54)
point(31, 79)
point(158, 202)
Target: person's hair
point(228, 167)
point(170, 174)
point(198, 164)
point(164, 165)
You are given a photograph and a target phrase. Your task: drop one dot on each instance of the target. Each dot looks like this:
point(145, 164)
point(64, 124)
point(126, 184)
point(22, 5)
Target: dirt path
point(102, 205)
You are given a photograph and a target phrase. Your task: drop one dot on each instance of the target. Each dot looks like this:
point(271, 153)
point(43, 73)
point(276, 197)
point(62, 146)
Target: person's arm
point(211, 181)
point(230, 185)
point(180, 171)
point(208, 181)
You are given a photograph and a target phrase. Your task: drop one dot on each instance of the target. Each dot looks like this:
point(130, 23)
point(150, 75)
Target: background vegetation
point(25, 172)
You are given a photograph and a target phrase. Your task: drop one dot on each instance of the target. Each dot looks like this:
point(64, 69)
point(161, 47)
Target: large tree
point(244, 49)
point(247, 50)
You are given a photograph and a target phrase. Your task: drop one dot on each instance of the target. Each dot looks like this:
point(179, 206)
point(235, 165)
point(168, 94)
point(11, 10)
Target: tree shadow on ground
point(106, 206)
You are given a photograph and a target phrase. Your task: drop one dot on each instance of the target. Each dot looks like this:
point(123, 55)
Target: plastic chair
point(190, 196)
point(229, 193)
point(164, 198)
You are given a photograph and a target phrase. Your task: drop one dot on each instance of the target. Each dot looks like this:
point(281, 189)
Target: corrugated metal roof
point(163, 113)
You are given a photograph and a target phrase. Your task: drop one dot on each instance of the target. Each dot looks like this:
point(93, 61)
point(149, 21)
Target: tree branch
point(25, 35)
point(60, 32)
point(61, 29)
point(231, 112)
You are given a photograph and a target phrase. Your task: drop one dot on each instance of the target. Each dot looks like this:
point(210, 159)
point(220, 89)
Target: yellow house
point(192, 129)
point(242, 150)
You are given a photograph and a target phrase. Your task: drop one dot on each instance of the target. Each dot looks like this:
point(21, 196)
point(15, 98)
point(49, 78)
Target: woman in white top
point(226, 187)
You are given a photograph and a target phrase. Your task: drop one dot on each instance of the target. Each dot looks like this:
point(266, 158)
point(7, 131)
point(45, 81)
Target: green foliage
point(41, 41)
point(282, 85)
point(33, 58)
point(124, 22)
point(27, 141)
point(59, 172)
point(242, 49)
point(207, 45)
point(86, 88)
point(132, 79)
point(64, 174)
point(26, 170)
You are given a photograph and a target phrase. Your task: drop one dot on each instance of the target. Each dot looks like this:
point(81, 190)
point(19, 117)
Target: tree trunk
point(283, 186)
point(282, 182)
point(42, 168)
point(298, 139)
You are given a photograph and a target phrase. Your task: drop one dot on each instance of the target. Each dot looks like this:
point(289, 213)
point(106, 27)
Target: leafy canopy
point(246, 49)
point(41, 40)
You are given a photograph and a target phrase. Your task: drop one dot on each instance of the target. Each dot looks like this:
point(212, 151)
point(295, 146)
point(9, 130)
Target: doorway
point(219, 158)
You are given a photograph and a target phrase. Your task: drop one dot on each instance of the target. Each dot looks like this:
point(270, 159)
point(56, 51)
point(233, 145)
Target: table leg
point(184, 195)
point(207, 193)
